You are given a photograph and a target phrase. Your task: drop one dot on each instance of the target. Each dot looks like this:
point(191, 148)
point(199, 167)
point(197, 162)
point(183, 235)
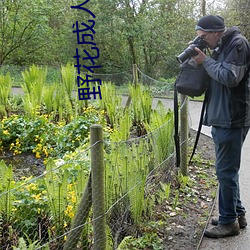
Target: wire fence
point(42, 208)
point(158, 87)
point(54, 210)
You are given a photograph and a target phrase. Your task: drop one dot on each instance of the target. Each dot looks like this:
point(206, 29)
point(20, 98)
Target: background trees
point(149, 33)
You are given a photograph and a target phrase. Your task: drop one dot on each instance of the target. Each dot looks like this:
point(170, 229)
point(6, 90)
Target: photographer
point(228, 112)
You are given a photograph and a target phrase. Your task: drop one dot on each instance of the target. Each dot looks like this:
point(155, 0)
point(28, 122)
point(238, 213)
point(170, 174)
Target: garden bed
point(186, 224)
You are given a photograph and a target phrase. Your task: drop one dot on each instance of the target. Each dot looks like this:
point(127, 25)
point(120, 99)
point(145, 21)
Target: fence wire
point(41, 211)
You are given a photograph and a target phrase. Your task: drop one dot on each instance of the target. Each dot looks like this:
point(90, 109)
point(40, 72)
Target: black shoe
point(241, 219)
point(221, 231)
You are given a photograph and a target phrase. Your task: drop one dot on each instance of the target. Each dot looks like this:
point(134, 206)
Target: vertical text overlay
point(84, 34)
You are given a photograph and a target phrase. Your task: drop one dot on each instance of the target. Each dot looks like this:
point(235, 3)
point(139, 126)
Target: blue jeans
point(228, 145)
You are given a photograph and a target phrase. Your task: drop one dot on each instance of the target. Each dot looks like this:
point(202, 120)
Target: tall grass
point(68, 75)
point(6, 197)
point(33, 86)
point(112, 108)
point(161, 128)
point(141, 107)
point(5, 90)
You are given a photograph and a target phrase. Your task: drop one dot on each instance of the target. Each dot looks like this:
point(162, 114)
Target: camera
point(190, 51)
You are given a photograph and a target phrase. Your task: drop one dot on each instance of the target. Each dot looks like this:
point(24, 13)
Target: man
point(228, 112)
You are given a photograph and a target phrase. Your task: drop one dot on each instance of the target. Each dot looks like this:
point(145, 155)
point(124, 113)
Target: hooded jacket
point(228, 103)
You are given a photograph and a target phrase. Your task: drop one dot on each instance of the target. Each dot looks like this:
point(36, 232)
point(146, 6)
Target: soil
point(25, 164)
point(186, 223)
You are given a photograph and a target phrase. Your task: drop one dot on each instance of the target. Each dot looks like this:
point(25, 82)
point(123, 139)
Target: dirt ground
point(187, 223)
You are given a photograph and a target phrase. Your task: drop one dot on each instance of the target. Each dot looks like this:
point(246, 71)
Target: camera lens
point(187, 53)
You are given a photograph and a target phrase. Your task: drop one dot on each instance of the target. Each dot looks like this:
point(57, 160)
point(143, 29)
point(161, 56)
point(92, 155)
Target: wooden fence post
point(80, 218)
point(184, 135)
point(98, 195)
point(135, 81)
point(135, 74)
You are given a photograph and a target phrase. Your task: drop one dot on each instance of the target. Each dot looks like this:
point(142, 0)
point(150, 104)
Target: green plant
point(68, 74)
point(30, 208)
point(147, 241)
point(48, 97)
point(33, 86)
point(22, 245)
point(141, 104)
point(113, 109)
point(126, 173)
point(176, 199)
point(5, 89)
point(161, 128)
point(64, 184)
point(164, 191)
point(56, 187)
point(6, 184)
point(43, 137)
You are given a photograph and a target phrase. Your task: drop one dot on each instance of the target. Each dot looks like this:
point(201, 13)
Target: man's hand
point(200, 58)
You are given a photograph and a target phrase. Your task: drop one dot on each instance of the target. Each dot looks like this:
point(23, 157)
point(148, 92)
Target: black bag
point(192, 80)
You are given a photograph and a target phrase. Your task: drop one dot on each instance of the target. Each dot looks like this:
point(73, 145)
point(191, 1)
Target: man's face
point(211, 38)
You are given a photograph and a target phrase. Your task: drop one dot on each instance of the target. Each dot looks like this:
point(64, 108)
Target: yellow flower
point(6, 132)
point(16, 152)
point(69, 211)
point(38, 155)
point(45, 151)
point(14, 209)
point(73, 199)
point(31, 186)
point(37, 196)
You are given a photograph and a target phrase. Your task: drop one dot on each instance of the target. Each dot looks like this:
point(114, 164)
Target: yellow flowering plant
point(44, 137)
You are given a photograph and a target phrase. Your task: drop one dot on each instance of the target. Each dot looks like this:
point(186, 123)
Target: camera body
point(190, 51)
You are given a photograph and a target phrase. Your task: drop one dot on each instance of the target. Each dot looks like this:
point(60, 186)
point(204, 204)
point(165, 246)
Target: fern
point(33, 86)
point(5, 90)
point(56, 185)
point(6, 184)
point(68, 78)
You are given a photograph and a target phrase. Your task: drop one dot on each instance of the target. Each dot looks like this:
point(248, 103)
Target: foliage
point(6, 184)
point(161, 126)
point(141, 106)
point(43, 137)
point(113, 109)
point(68, 78)
point(30, 204)
point(51, 200)
point(34, 81)
point(22, 245)
point(147, 241)
point(5, 89)
point(43, 206)
point(33, 32)
point(147, 33)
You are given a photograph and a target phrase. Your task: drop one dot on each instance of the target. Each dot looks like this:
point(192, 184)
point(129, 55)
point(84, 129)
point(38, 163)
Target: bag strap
point(199, 127)
point(176, 126)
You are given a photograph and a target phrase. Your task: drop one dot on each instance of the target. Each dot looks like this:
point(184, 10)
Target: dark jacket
point(229, 90)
